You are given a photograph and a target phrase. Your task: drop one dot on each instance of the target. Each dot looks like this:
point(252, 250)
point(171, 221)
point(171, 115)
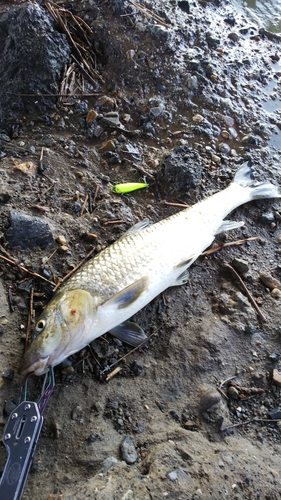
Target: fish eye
point(40, 325)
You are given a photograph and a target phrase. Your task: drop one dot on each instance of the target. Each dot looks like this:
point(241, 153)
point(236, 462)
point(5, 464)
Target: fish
point(119, 281)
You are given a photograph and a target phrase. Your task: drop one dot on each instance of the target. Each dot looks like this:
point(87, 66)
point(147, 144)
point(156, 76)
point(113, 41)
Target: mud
point(205, 81)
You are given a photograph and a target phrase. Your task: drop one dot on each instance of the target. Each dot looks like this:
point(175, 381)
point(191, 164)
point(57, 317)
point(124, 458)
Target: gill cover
point(57, 331)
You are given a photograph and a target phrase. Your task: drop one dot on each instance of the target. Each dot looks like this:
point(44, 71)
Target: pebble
point(136, 369)
point(107, 464)
point(233, 393)
point(275, 413)
point(276, 293)
point(128, 451)
point(216, 159)
point(9, 407)
point(8, 374)
point(172, 475)
point(276, 376)
point(269, 281)
point(240, 265)
point(91, 116)
point(61, 240)
point(77, 414)
point(197, 118)
point(105, 102)
point(224, 148)
point(267, 217)
point(209, 399)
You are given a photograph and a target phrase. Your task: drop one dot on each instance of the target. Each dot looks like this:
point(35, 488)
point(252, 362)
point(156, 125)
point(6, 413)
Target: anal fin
point(227, 225)
point(129, 332)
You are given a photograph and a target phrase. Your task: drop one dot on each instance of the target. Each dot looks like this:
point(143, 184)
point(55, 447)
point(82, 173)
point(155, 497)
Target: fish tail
point(257, 190)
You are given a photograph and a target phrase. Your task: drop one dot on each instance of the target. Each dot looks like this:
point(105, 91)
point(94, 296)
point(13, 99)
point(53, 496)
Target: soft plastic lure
point(128, 187)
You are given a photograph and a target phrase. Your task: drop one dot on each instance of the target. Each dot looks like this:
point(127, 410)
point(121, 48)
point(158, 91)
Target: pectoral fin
point(129, 294)
point(137, 227)
point(129, 332)
point(227, 225)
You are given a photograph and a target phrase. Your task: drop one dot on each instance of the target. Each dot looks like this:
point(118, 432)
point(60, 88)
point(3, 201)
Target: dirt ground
point(202, 78)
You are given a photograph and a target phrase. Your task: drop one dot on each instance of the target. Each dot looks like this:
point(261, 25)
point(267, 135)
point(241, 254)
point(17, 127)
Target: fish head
point(60, 331)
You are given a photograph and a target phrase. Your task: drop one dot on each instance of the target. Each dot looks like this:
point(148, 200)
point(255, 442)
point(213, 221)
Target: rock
point(184, 5)
point(8, 374)
point(209, 399)
point(105, 103)
point(107, 464)
point(275, 413)
point(184, 169)
point(267, 218)
point(232, 393)
point(276, 376)
point(269, 281)
point(32, 60)
point(136, 369)
point(172, 475)
point(9, 407)
point(224, 148)
point(240, 265)
point(128, 451)
point(26, 231)
point(276, 293)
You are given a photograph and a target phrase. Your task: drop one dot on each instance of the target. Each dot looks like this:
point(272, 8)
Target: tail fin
point(257, 189)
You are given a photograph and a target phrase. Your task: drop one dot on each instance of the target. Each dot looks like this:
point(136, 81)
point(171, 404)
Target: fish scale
point(119, 281)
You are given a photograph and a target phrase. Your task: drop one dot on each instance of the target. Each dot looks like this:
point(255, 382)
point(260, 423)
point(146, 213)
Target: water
point(265, 13)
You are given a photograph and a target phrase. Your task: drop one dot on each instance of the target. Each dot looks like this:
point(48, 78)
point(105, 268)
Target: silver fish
point(127, 275)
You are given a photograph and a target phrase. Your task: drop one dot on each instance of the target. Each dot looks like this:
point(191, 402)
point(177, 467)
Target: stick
point(35, 275)
point(261, 420)
point(121, 221)
point(149, 13)
point(249, 295)
point(180, 205)
point(229, 244)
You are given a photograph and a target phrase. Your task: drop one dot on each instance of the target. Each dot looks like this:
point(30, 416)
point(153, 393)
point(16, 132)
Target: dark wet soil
point(205, 81)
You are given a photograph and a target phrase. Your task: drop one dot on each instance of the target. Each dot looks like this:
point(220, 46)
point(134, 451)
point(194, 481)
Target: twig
point(10, 299)
point(249, 295)
point(149, 13)
point(35, 275)
point(229, 244)
point(108, 222)
point(222, 393)
point(56, 95)
point(113, 373)
point(95, 194)
point(253, 421)
point(49, 258)
point(180, 205)
point(84, 204)
point(227, 380)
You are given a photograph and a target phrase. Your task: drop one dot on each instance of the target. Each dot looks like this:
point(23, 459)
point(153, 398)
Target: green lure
point(127, 187)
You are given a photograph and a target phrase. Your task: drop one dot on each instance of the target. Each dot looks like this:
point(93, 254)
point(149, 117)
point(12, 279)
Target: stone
point(183, 169)
point(209, 399)
point(26, 231)
point(240, 265)
point(107, 464)
point(32, 61)
point(276, 376)
point(128, 451)
point(269, 281)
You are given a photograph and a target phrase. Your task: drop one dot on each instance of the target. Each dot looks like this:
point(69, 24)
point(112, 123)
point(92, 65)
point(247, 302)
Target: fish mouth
point(37, 367)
